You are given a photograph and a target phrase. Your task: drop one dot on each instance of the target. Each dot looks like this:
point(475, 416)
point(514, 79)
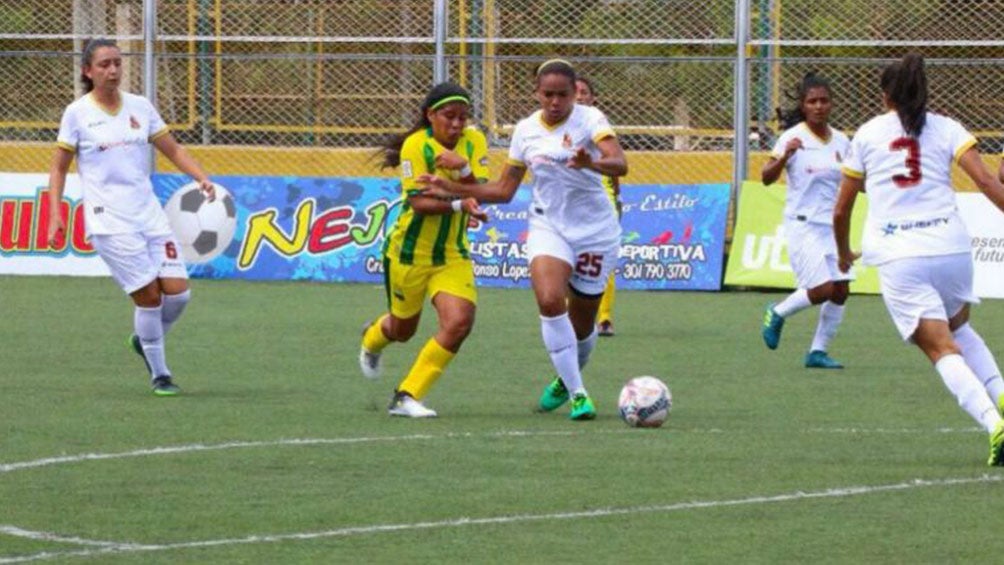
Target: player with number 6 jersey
point(915, 235)
point(110, 133)
point(574, 234)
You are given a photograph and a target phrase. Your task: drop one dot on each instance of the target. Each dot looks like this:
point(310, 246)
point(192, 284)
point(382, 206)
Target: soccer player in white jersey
point(110, 132)
point(574, 234)
point(810, 152)
point(915, 236)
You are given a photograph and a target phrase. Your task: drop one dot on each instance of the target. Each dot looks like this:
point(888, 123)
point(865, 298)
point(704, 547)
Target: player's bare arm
point(772, 170)
point(849, 189)
point(501, 190)
point(177, 154)
point(57, 183)
point(991, 187)
point(612, 161)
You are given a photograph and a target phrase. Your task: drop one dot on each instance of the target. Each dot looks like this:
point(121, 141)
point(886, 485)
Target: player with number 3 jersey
point(573, 234)
point(915, 236)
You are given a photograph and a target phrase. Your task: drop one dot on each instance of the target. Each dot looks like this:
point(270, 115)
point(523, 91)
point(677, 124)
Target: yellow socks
point(426, 371)
point(373, 338)
point(606, 312)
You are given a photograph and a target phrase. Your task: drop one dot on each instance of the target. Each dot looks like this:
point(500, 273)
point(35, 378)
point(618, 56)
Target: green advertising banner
point(759, 254)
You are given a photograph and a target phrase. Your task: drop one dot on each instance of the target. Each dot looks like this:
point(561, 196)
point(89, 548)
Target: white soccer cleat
point(405, 405)
point(369, 364)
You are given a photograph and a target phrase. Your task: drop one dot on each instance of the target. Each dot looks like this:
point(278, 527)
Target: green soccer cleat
point(555, 394)
point(164, 386)
point(772, 324)
point(820, 360)
point(582, 408)
point(1000, 404)
point(997, 446)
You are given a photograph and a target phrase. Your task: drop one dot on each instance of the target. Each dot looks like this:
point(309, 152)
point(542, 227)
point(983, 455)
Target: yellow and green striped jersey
point(419, 239)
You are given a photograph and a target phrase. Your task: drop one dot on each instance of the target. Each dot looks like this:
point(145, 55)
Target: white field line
point(171, 450)
point(495, 520)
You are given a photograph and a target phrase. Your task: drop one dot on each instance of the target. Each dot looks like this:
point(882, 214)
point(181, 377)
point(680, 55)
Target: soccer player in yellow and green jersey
point(426, 253)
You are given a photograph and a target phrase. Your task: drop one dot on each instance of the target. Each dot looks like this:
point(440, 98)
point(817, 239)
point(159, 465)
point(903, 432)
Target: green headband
point(549, 61)
point(448, 99)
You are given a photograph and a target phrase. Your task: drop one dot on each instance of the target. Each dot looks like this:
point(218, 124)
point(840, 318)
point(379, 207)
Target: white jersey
point(113, 159)
point(911, 203)
point(571, 201)
point(813, 173)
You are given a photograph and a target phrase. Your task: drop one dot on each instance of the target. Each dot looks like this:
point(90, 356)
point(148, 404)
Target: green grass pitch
point(280, 452)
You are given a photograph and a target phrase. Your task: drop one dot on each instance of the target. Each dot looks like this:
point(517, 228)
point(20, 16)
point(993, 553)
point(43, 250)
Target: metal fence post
point(440, 72)
point(740, 153)
point(149, 62)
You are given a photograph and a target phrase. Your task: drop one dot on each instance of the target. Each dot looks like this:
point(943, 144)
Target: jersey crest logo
point(133, 122)
point(566, 141)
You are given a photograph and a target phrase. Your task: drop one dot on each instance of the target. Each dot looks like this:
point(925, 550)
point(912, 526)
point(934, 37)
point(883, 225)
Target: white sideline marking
point(495, 520)
point(49, 461)
point(10, 467)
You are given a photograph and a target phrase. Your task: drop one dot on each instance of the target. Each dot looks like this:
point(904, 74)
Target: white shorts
point(136, 259)
point(591, 264)
point(812, 251)
point(933, 288)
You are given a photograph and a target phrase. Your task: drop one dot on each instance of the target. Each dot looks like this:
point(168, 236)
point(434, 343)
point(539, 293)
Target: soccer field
point(280, 452)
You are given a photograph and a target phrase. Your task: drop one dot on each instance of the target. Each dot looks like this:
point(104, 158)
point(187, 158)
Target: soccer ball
point(645, 402)
point(203, 228)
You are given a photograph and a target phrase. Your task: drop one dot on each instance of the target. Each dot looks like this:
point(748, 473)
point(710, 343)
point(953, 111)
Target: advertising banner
point(24, 224)
point(333, 229)
point(759, 254)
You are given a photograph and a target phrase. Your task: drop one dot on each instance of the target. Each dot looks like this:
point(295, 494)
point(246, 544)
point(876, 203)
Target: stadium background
point(310, 87)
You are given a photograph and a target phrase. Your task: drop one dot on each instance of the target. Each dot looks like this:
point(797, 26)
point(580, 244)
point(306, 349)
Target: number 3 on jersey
point(589, 264)
point(912, 148)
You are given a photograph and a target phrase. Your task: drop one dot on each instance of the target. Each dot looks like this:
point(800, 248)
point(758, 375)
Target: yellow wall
point(646, 167)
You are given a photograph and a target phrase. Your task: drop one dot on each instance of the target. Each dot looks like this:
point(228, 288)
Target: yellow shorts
point(408, 285)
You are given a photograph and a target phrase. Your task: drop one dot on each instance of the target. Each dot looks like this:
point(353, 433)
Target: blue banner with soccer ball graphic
point(332, 229)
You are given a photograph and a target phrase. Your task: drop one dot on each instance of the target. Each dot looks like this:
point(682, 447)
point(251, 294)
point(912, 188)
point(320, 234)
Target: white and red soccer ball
point(645, 402)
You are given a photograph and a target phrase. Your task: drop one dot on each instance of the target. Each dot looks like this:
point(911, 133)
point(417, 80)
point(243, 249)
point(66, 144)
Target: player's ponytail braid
point(441, 94)
point(905, 85)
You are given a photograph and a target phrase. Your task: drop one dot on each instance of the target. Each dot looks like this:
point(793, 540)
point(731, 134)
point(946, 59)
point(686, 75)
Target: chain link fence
point(311, 87)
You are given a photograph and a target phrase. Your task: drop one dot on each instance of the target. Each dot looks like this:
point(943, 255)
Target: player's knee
point(458, 327)
point(147, 297)
point(840, 293)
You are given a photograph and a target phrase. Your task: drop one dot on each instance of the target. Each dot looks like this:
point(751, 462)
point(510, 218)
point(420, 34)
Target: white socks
point(830, 316)
point(980, 360)
point(966, 387)
point(796, 302)
point(586, 347)
point(150, 330)
point(172, 306)
point(561, 345)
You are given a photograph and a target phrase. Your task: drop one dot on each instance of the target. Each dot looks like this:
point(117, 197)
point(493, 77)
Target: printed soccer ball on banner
point(203, 228)
point(645, 402)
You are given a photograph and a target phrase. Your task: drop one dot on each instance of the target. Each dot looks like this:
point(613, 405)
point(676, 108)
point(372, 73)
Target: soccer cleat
point(820, 360)
point(997, 446)
point(555, 394)
point(404, 405)
point(772, 324)
point(164, 386)
point(605, 328)
point(138, 348)
point(369, 363)
point(582, 408)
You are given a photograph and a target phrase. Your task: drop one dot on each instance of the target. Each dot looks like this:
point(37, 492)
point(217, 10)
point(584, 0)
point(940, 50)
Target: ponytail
point(905, 85)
